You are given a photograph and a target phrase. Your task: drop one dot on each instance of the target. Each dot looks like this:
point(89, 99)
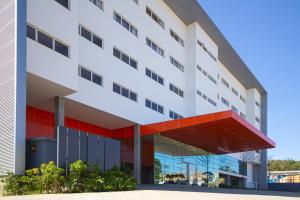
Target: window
point(97, 41)
point(257, 119)
point(98, 3)
point(225, 102)
point(210, 77)
point(234, 91)
point(212, 102)
point(176, 90)
point(208, 99)
point(225, 82)
point(176, 64)
point(199, 93)
point(47, 40)
point(124, 92)
point(206, 50)
point(155, 47)
point(243, 115)
point(90, 36)
point(155, 17)
point(31, 33)
point(89, 75)
point(176, 37)
point(199, 68)
point(174, 115)
point(257, 104)
point(242, 99)
point(125, 58)
point(154, 76)
point(234, 109)
point(64, 3)
point(61, 48)
point(125, 24)
point(97, 79)
point(154, 106)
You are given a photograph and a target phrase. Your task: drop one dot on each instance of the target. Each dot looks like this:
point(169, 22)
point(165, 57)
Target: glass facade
point(178, 163)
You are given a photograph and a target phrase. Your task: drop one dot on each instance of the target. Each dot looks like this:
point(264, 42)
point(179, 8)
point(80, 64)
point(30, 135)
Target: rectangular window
point(257, 104)
point(86, 74)
point(257, 119)
point(85, 33)
point(48, 41)
point(124, 92)
point(154, 106)
point(31, 33)
point(234, 109)
point(212, 102)
point(242, 99)
point(64, 3)
point(225, 102)
point(97, 79)
point(225, 83)
point(155, 17)
point(61, 48)
point(98, 3)
point(125, 24)
point(89, 75)
point(234, 91)
point(125, 58)
point(174, 115)
point(176, 37)
point(177, 64)
point(155, 47)
point(45, 40)
point(154, 76)
point(97, 41)
point(243, 115)
point(206, 50)
point(176, 90)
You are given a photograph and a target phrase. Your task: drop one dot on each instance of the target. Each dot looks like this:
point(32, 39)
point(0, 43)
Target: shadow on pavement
point(183, 188)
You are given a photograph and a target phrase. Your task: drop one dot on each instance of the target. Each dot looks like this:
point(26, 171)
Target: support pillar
point(137, 154)
point(59, 113)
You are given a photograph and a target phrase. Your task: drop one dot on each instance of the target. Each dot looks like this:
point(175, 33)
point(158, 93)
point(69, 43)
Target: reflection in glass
point(178, 163)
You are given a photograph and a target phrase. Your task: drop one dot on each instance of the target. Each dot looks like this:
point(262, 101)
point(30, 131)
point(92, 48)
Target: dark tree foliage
point(284, 165)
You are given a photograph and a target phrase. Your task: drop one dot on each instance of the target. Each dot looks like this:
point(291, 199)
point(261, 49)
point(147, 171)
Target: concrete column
point(137, 154)
point(59, 113)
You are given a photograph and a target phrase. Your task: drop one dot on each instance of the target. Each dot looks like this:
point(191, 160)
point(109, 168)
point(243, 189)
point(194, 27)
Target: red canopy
point(218, 133)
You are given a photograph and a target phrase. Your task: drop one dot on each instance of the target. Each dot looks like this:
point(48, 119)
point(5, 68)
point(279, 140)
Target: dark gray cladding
point(72, 145)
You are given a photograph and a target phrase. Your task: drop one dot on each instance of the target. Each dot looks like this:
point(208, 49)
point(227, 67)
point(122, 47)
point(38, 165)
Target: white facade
point(62, 24)
point(199, 75)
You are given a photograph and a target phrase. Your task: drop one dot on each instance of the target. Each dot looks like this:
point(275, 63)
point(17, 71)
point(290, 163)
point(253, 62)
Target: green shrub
point(51, 179)
point(116, 180)
point(77, 176)
point(94, 181)
point(82, 178)
point(13, 185)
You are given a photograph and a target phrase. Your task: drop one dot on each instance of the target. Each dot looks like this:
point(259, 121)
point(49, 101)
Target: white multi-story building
point(114, 68)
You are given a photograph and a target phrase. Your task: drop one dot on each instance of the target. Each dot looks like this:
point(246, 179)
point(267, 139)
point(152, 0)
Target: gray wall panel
point(73, 146)
point(83, 146)
point(93, 153)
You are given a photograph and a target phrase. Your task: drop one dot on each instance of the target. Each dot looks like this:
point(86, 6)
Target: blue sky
point(266, 34)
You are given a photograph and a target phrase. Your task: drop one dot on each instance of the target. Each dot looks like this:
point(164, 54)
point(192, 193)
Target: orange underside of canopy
point(218, 133)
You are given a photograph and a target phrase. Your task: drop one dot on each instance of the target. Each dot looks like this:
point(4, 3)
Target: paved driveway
point(169, 193)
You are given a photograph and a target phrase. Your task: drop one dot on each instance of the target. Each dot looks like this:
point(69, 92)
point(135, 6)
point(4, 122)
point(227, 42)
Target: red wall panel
point(40, 123)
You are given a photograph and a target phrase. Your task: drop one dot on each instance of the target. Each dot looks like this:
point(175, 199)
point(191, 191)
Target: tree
point(284, 165)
